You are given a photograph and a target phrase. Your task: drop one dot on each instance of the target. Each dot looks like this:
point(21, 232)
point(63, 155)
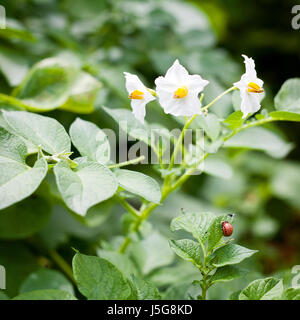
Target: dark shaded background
point(262, 29)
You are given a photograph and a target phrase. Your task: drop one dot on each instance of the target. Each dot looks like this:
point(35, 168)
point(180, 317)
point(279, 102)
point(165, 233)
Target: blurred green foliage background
point(108, 37)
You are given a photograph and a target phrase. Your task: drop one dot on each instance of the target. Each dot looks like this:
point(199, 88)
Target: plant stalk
point(62, 264)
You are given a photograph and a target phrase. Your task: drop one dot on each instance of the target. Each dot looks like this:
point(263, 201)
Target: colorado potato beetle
point(227, 228)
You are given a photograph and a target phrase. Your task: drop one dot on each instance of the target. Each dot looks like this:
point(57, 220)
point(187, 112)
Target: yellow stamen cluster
point(180, 92)
point(253, 87)
point(136, 94)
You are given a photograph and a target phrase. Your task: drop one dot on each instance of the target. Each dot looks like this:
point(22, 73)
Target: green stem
point(249, 125)
point(204, 287)
point(179, 142)
point(128, 207)
point(188, 173)
point(127, 163)
point(124, 245)
point(62, 264)
point(13, 101)
point(218, 98)
point(144, 214)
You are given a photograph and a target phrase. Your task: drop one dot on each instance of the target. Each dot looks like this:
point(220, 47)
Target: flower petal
point(187, 106)
point(177, 72)
point(138, 105)
point(250, 66)
point(196, 83)
point(139, 109)
point(250, 102)
point(133, 83)
point(167, 85)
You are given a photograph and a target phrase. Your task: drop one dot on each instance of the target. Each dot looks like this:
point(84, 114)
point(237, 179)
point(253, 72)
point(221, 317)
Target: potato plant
point(102, 194)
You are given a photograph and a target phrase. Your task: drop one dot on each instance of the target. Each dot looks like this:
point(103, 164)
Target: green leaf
point(55, 83)
point(13, 65)
point(10, 103)
point(140, 184)
point(235, 120)
point(149, 134)
point(17, 180)
point(195, 223)
point(14, 30)
point(263, 289)
point(47, 85)
point(262, 139)
point(214, 235)
point(292, 294)
point(12, 148)
point(235, 295)
point(231, 254)
point(217, 167)
point(90, 141)
point(98, 279)
point(288, 97)
point(88, 184)
point(285, 183)
point(188, 250)
point(182, 271)
point(39, 130)
point(83, 94)
point(129, 124)
point(24, 218)
point(3, 124)
point(146, 253)
point(98, 214)
point(227, 273)
point(285, 116)
point(210, 124)
point(49, 294)
point(177, 291)
point(143, 290)
point(46, 279)
point(110, 76)
point(121, 261)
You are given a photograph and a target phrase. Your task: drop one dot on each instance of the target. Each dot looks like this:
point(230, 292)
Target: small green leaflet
point(46, 279)
point(262, 139)
point(188, 250)
point(146, 255)
point(47, 84)
point(227, 273)
point(83, 94)
point(90, 141)
point(195, 223)
point(263, 289)
point(17, 179)
point(39, 130)
point(231, 254)
point(140, 184)
point(288, 97)
point(98, 279)
point(88, 184)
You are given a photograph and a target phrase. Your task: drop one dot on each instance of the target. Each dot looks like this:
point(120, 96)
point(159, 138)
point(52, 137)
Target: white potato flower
point(178, 91)
point(139, 95)
point(250, 88)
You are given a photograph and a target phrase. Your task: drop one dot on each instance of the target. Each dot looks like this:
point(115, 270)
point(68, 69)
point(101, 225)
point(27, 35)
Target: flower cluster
point(178, 91)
